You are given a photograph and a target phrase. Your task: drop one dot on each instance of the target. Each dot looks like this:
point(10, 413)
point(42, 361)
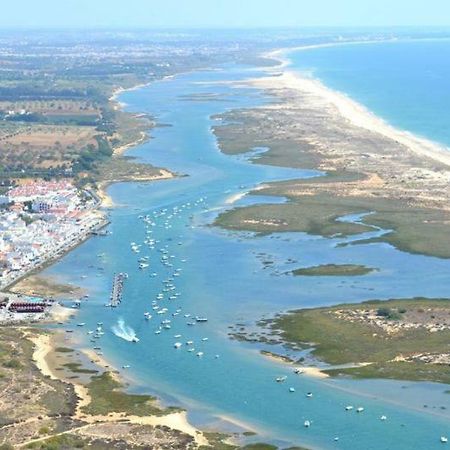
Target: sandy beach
point(106, 200)
point(356, 114)
point(44, 345)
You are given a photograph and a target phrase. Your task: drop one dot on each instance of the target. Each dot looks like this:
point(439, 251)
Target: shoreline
point(354, 112)
point(44, 346)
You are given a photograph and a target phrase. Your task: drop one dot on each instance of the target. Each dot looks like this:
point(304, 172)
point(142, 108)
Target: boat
point(135, 339)
point(126, 366)
point(81, 324)
point(291, 389)
point(177, 336)
point(177, 344)
point(281, 379)
point(157, 331)
point(200, 354)
point(359, 409)
point(298, 371)
point(204, 339)
point(444, 440)
point(309, 394)
point(348, 408)
point(201, 319)
point(306, 423)
point(383, 418)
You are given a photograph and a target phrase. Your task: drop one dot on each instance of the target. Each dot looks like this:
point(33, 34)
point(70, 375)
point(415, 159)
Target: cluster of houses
point(39, 220)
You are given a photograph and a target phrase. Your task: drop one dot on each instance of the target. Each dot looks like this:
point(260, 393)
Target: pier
point(117, 290)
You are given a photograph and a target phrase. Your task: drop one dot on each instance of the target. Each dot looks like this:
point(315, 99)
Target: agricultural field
point(36, 146)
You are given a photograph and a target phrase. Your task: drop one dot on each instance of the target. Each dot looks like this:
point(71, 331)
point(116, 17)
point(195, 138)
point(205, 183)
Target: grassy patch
point(78, 368)
point(107, 396)
point(341, 270)
point(414, 230)
point(64, 350)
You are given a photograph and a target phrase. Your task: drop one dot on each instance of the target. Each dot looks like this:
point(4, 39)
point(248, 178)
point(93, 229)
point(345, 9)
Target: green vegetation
point(415, 230)
point(60, 442)
point(78, 368)
point(337, 340)
point(341, 270)
point(312, 216)
point(107, 396)
point(64, 350)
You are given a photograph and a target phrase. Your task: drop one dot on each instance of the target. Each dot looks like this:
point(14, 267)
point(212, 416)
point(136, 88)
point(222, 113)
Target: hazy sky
point(221, 13)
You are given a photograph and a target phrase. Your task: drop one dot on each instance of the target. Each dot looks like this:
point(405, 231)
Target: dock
point(117, 290)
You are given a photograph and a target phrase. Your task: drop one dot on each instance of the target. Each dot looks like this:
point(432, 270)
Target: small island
point(333, 270)
point(404, 339)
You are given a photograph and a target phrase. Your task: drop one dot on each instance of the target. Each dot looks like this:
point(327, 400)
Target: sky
point(221, 13)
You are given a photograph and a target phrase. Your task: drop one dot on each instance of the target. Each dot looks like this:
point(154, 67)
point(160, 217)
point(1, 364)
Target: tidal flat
point(364, 171)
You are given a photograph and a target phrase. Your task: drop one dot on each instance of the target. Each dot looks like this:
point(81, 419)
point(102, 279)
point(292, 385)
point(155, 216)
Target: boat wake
point(124, 331)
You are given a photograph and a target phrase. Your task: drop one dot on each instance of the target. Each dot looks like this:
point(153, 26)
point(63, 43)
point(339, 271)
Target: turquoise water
point(406, 83)
point(222, 278)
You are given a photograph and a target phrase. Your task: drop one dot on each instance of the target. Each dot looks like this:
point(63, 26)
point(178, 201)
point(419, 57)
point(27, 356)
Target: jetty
point(117, 290)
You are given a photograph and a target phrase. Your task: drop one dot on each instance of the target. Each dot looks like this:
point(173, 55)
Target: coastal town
point(39, 221)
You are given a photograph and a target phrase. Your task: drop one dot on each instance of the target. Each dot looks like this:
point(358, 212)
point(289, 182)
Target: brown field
point(59, 107)
point(43, 146)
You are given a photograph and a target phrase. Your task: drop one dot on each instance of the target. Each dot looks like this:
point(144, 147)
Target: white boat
point(204, 339)
point(135, 339)
point(281, 379)
point(157, 331)
point(444, 440)
point(81, 324)
point(200, 354)
point(306, 423)
point(177, 344)
point(309, 394)
point(126, 366)
point(359, 409)
point(177, 336)
point(383, 418)
point(348, 408)
point(291, 389)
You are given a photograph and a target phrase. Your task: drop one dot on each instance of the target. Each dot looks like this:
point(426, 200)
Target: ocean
point(404, 82)
point(221, 275)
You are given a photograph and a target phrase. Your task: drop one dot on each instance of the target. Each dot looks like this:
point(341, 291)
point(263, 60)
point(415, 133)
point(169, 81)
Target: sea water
point(222, 278)
point(404, 82)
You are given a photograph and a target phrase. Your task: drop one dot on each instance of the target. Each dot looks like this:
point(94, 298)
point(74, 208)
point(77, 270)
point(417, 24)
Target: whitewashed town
point(39, 220)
